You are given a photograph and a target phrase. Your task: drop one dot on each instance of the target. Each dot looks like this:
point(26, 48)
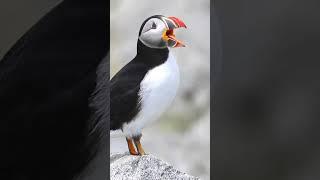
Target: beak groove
point(178, 22)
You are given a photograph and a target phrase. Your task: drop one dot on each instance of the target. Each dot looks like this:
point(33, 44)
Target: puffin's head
point(158, 32)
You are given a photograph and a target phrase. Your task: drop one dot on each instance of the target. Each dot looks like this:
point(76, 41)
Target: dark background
point(46, 140)
point(266, 82)
point(17, 16)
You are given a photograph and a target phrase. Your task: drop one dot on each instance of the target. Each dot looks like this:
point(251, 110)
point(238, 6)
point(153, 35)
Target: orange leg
point(131, 147)
point(139, 146)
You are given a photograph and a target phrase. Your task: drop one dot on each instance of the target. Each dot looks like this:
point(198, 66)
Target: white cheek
point(152, 38)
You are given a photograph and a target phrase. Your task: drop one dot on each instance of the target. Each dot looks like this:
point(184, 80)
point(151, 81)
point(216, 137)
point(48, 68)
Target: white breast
point(157, 89)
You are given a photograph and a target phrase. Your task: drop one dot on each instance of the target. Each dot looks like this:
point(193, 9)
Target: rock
point(148, 167)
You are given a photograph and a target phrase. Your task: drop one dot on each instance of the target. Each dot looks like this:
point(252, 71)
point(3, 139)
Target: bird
point(145, 87)
point(54, 96)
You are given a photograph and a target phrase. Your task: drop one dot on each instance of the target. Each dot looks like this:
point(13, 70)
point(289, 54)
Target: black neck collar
point(151, 56)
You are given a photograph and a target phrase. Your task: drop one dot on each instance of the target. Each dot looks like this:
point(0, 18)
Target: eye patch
point(153, 26)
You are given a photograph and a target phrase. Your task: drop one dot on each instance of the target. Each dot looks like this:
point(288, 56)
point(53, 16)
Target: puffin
point(54, 96)
point(145, 87)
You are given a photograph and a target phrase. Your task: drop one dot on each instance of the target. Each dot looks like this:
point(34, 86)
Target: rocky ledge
point(148, 167)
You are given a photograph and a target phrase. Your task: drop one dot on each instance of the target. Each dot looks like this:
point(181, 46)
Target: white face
point(152, 33)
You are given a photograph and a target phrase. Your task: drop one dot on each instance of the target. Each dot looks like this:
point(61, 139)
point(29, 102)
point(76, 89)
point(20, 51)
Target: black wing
point(125, 86)
point(46, 81)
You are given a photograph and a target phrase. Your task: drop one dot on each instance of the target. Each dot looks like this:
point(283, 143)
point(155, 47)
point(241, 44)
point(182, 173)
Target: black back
point(125, 85)
point(48, 123)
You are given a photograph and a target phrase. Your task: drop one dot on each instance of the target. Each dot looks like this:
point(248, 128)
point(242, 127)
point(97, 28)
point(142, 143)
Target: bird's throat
point(151, 56)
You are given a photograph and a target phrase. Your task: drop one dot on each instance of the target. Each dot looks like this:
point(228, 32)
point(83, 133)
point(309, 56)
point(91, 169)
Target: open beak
point(168, 35)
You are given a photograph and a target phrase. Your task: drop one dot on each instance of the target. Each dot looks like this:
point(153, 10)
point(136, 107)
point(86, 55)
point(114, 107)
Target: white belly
point(157, 89)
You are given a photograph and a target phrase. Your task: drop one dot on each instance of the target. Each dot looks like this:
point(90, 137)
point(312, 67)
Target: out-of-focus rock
point(148, 167)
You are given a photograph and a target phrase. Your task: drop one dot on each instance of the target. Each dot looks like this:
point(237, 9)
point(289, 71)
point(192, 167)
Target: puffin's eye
point(154, 26)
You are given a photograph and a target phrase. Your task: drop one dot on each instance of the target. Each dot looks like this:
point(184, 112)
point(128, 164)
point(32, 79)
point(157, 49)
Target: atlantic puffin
point(144, 88)
point(54, 96)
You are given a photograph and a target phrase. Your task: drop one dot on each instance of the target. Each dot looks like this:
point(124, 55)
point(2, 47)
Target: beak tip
point(182, 25)
point(180, 45)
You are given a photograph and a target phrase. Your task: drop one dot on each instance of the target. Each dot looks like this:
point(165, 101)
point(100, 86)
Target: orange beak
point(169, 36)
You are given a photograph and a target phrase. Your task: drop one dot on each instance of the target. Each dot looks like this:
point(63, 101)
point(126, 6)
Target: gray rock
point(148, 167)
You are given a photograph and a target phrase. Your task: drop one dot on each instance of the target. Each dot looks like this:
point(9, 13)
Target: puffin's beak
point(168, 35)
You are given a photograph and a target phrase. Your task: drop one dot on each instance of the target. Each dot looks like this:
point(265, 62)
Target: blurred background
point(182, 136)
point(16, 17)
point(267, 90)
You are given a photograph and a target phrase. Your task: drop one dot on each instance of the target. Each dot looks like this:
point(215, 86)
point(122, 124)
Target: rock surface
point(148, 167)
